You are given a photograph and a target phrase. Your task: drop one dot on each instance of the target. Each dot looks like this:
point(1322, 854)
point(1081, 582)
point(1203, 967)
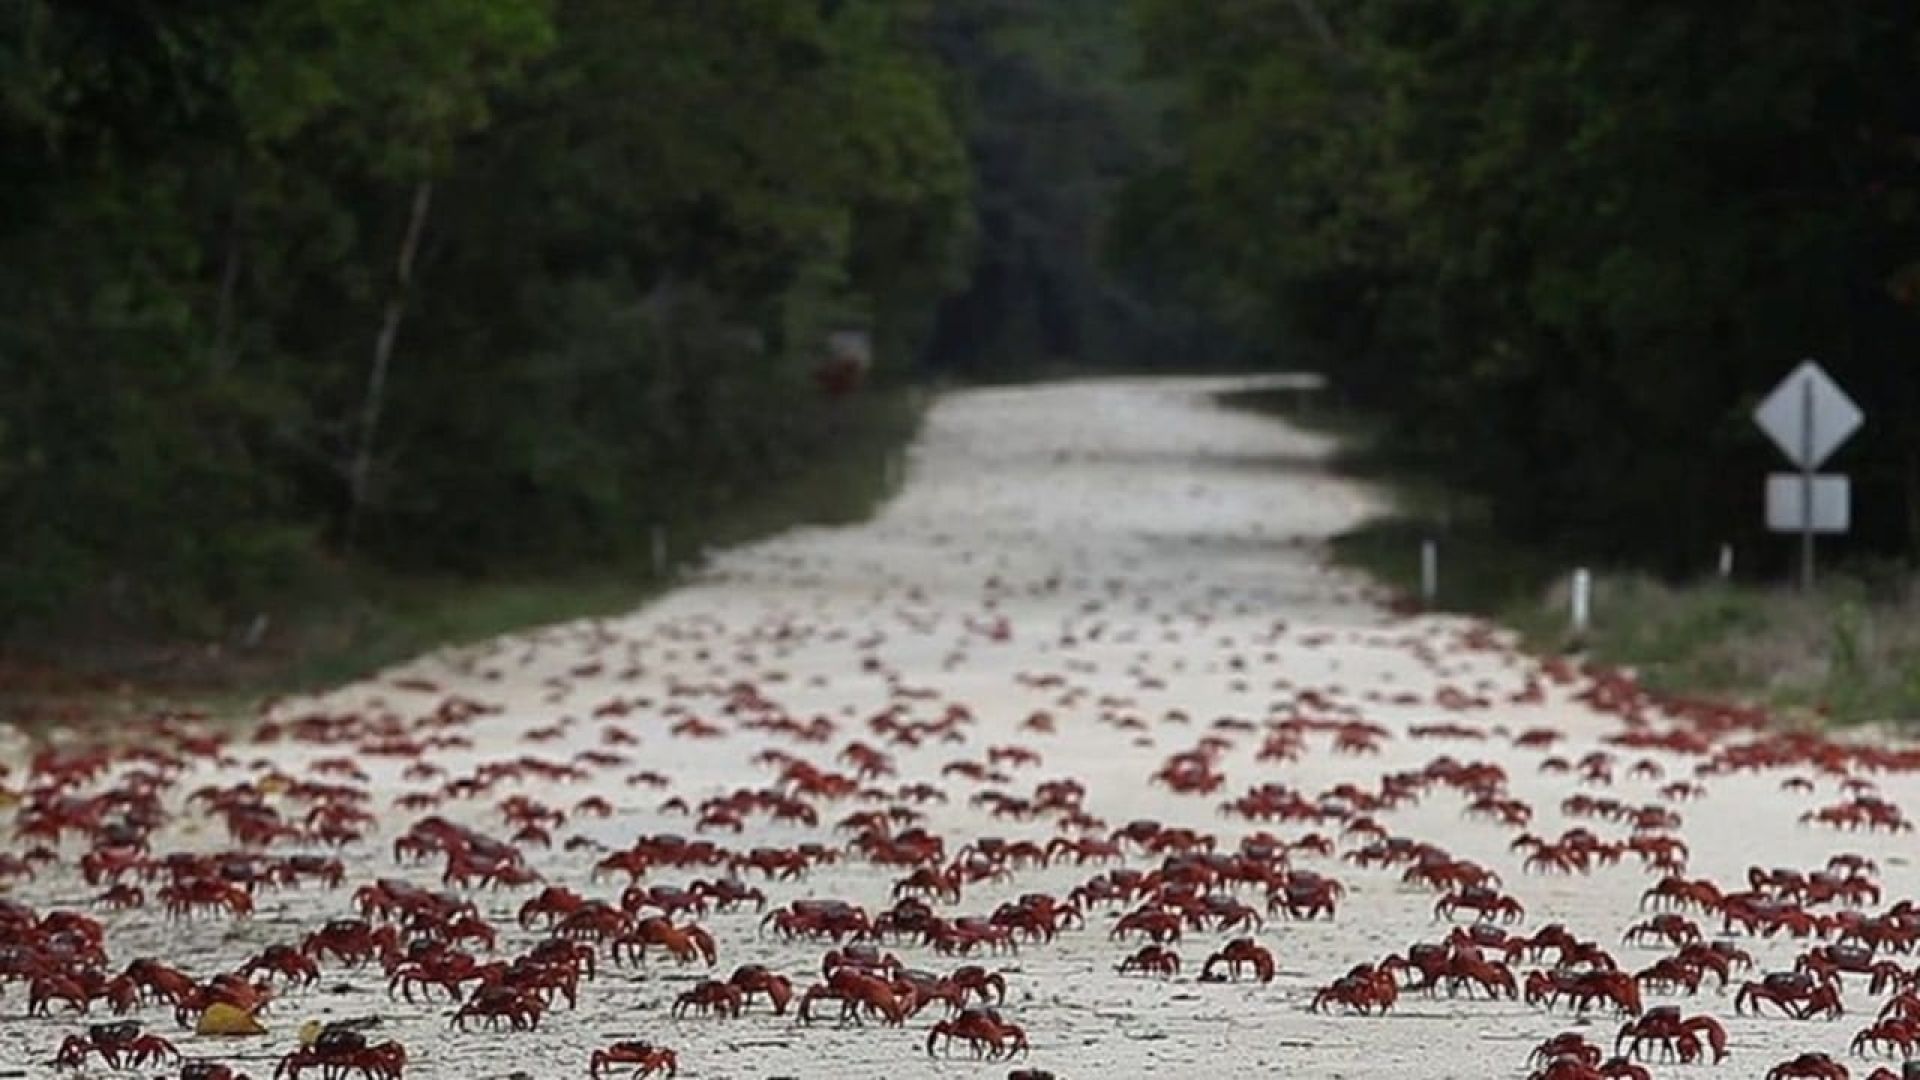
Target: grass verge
point(369, 618)
point(1848, 651)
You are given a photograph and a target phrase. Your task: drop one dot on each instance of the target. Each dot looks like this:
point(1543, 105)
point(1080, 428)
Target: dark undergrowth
point(355, 620)
point(1849, 650)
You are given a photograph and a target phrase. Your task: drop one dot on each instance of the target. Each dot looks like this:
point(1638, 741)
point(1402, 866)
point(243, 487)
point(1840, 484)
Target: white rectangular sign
point(1832, 503)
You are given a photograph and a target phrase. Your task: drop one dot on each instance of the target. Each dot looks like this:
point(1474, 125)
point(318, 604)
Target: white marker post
point(1429, 572)
point(1726, 561)
point(1582, 600)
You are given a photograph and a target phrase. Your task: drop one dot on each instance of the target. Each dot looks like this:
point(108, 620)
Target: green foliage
point(394, 616)
point(1563, 246)
point(397, 84)
point(1057, 119)
point(644, 221)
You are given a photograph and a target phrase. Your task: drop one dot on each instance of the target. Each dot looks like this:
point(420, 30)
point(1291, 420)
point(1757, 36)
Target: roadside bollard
point(1582, 600)
point(1429, 572)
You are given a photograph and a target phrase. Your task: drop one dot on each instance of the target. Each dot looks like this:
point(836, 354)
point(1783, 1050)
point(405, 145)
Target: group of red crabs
point(480, 907)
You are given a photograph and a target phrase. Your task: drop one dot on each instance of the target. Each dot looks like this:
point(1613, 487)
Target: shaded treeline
point(1058, 120)
point(479, 284)
point(1564, 246)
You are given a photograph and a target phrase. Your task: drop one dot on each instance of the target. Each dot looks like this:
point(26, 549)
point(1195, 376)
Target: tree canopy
point(453, 283)
point(1563, 246)
point(478, 284)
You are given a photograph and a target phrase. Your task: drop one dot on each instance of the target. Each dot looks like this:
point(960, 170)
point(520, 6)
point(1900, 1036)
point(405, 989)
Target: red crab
point(1239, 953)
point(646, 1057)
point(1152, 960)
point(120, 1045)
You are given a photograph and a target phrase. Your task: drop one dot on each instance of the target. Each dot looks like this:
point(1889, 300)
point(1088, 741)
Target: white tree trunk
point(360, 470)
point(1317, 22)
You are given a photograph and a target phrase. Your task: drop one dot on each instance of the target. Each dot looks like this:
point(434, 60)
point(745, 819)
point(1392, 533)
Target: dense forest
point(482, 285)
point(1564, 246)
point(478, 285)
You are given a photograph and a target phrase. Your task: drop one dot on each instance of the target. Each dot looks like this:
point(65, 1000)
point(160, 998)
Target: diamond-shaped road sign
point(1808, 415)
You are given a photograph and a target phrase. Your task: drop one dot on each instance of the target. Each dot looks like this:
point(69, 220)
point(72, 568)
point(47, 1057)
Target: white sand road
point(1123, 554)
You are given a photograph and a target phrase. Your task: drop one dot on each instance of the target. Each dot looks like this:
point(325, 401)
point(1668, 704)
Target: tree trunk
point(361, 468)
point(1317, 23)
point(223, 344)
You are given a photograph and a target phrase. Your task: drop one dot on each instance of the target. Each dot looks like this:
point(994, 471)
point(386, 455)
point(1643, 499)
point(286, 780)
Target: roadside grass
point(1848, 652)
point(399, 616)
point(362, 619)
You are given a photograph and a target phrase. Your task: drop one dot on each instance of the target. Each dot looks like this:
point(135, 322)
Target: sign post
point(1808, 416)
point(1806, 484)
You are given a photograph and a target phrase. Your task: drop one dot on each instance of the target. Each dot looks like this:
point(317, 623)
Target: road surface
point(1146, 569)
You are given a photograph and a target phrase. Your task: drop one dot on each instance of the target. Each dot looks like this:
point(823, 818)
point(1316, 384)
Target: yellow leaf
point(224, 1019)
